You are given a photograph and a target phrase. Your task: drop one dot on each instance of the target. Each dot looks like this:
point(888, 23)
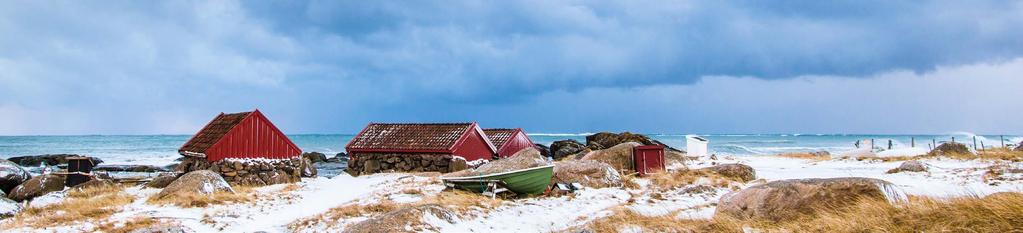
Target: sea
point(161, 150)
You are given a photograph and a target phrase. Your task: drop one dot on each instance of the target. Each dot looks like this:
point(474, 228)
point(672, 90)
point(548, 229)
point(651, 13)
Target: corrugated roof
point(499, 136)
point(213, 131)
point(409, 136)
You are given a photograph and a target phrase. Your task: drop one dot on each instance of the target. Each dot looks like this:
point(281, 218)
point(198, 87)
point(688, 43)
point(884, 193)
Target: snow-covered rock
point(8, 208)
point(161, 181)
point(743, 172)
point(411, 219)
point(37, 186)
point(910, 166)
point(589, 173)
point(11, 175)
point(201, 182)
point(786, 199)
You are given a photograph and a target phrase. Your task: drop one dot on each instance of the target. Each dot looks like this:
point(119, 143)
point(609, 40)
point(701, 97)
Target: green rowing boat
point(526, 181)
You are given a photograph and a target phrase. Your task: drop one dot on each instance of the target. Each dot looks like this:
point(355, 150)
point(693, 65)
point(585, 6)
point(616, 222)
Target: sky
point(168, 67)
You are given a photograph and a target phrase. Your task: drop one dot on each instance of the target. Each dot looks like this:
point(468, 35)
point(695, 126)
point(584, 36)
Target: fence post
point(912, 142)
point(953, 139)
point(974, 143)
point(1001, 138)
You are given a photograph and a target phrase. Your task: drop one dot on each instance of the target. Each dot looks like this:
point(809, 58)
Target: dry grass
point(805, 155)
point(996, 213)
point(128, 226)
point(1006, 154)
point(461, 202)
point(241, 194)
point(85, 205)
point(677, 179)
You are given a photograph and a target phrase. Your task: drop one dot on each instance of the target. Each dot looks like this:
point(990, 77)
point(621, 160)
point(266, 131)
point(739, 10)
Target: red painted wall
point(648, 159)
point(254, 137)
point(472, 146)
point(515, 144)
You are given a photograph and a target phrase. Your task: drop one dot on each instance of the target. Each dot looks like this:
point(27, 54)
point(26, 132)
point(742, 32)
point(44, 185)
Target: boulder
point(544, 150)
point(789, 199)
point(341, 156)
point(740, 172)
point(315, 157)
point(525, 158)
point(910, 166)
point(950, 148)
point(161, 181)
point(162, 228)
point(94, 183)
point(201, 182)
point(604, 140)
point(589, 173)
point(674, 157)
point(37, 186)
point(49, 159)
point(409, 219)
point(307, 167)
point(1020, 146)
point(618, 156)
point(8, 208)
point(11, 175)
point(457, 164)
point(564, 148)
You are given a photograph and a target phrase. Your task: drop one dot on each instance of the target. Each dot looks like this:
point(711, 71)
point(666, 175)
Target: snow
point(48, 199)
point(277, 207)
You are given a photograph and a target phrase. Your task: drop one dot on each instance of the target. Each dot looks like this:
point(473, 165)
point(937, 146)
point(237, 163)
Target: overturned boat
point(529, 181)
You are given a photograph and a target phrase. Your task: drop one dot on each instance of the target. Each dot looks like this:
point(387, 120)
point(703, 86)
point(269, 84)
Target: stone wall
point(249, 172)
point(369, 163)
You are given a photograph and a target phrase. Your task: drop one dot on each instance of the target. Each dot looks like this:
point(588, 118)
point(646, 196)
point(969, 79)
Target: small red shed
point(508, 141)
point(240, 135)
point(648, 159)
point(466, 140)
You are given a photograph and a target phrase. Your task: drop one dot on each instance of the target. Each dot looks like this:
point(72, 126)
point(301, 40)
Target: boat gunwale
point(495, 174)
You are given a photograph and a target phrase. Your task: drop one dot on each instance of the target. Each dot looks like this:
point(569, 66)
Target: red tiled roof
point(407, 136)
point(499, 136)
point(213, 131)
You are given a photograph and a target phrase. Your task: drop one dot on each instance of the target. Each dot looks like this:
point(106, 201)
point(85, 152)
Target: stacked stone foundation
point(248, 172)
point(369, 163)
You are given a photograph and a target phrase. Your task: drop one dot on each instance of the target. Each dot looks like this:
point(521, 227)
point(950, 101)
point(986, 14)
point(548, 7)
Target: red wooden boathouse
point(466, 140)
point(508, 141)
point(240, 135)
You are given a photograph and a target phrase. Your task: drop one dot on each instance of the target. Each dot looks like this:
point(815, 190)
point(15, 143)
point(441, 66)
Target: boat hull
point(526, 181)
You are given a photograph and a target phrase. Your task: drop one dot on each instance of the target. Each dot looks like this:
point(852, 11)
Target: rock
point(742, 172)
point(342, 156)
point(129, 168)
point(604, 140)
point(8, 208)
point(618, 156)
point(526, 158)
point(674, 157)
point(457, 164)
point(37, 186)
point(910, 166)
point(564, 148)
point(589, 173)
point(1020, 147)
point(308, 170)
point(201, 182)
point(11, 175)
point(50, 159)
point(950, 148)
point(788, 199)
point(544, 150)
point(94, 183)
point(315, 157)
point(161, 181)
point(409, 219)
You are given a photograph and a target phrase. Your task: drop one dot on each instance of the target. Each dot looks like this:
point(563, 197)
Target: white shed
point(696, 145)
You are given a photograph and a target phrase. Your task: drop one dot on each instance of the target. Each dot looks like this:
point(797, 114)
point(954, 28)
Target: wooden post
point(912, 142)
point(974, 143)
point(1001, 138)
point(871, 144)
point(929, 147)
point(934, 142)
point(953, 139)
point(981, 145)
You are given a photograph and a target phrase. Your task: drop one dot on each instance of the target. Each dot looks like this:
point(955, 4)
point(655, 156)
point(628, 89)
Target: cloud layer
point(332, 66)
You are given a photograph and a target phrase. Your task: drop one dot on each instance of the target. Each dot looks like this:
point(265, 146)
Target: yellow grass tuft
point(1002, 212)
point(805, 155)
point(83, 205)
point(128, 226)
point(1006, 154)
point(241, 194)
point(677, 179)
